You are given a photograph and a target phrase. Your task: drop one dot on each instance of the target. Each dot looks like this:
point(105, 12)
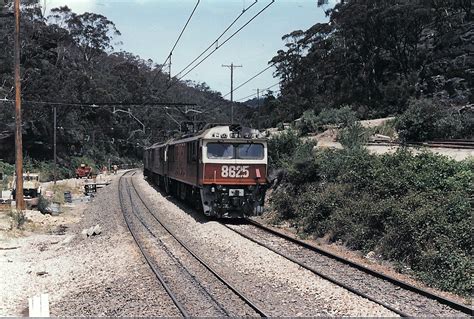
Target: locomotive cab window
point(235, 151)
point(250, 151)
point(220, 150)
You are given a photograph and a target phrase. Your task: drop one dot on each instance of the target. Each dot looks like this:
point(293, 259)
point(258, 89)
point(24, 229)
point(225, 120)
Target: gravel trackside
point(103, 275)
point(277, 285)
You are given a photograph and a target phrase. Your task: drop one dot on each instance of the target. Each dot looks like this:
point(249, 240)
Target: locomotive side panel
point(183, 163)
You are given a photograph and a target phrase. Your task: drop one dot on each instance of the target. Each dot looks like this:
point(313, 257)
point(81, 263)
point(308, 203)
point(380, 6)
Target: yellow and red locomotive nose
point(234, 174)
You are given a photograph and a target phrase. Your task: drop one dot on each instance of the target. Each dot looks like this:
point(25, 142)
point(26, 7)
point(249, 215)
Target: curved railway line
point(138, 215)
point(402, 298)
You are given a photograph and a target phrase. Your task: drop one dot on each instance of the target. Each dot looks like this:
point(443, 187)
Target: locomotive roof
point(215, 132)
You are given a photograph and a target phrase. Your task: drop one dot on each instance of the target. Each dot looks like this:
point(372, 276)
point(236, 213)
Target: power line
point(174, 46)
point(271, 86)
point(225, 41)
point(253, 77)
point(182, 31)
point(99, 104)
point(216, 41)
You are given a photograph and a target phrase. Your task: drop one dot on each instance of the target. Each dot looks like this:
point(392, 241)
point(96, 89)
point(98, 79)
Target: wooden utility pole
point(258, 109)
point(20, 203)
point(232, 66)
point(54, 146)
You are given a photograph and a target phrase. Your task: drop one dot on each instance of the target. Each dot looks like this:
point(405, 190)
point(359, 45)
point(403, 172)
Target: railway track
point(400, 297)
point(180, 269)
point(454, 144)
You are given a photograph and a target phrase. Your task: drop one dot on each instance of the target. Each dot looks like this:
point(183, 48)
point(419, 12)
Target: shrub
point(18, 218)
point(417, 123)
point(315, 204)
point(429, 119)
point(7, 170)
point(415, 210)
point(282, 202)
point(354, 136)
point(310, 122)
point(281, 147)
point(301, 167)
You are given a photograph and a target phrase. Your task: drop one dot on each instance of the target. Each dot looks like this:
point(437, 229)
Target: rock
point(371, 256)
point(92, 231)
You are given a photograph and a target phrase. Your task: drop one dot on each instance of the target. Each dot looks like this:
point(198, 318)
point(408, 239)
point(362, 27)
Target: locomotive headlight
point(213, 189)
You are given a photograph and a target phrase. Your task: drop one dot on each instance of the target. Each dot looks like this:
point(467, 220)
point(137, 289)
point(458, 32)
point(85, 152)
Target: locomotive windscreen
point(235, 151)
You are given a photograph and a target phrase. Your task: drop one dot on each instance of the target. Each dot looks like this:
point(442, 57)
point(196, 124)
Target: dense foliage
point(376, 55)
point(430, 119)
point(70, 58)
point(414, 210)
point(310, 122)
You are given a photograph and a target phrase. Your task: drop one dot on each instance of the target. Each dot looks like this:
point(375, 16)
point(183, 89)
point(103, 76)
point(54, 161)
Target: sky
point(149, 29)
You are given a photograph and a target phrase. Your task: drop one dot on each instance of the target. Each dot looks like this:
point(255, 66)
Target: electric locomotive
point(221, 169)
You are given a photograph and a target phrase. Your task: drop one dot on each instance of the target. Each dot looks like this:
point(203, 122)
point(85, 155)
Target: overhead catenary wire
point(216, 41)
point(225, 41)
point(182, 31)
point(265, 89)
point(250, 79)
point(99, 104)
point(174, 46)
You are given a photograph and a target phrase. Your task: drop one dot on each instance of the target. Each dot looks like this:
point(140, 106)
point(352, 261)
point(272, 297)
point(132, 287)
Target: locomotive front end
point(234, 177)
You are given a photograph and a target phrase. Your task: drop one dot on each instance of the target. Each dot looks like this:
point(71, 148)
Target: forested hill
point(378, 56)
point(70, 58)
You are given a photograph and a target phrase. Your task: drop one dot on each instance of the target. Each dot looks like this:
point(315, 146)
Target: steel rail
point(320, 274)
point(157, 273)
point(171, 255)
point(466, 145)
point(207, 266)
point(446, 301)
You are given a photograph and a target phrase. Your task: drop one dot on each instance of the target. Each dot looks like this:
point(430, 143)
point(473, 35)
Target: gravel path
point(391, 294)
point(280, 287)
point(102, 275)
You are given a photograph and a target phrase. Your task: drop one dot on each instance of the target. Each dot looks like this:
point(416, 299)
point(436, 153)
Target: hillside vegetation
point(414, 210)
point(70, 58)
point(413, 60)
point(382, 58)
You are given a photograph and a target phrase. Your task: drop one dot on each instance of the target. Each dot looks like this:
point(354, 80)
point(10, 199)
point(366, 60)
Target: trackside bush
point(427, 119)
point(312, 122)
point(414, 210)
